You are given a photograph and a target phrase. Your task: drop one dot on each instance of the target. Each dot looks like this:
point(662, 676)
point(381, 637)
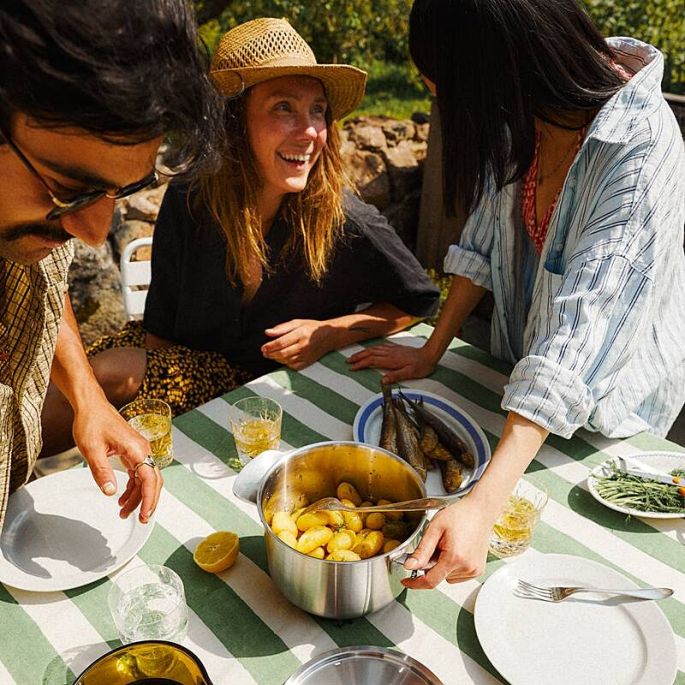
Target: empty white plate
point(61, 532)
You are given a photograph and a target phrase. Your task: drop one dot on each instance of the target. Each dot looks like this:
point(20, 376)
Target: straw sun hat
point(263, 49)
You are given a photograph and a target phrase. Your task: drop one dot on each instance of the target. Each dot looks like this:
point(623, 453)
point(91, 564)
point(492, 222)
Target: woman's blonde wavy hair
point(315, 215)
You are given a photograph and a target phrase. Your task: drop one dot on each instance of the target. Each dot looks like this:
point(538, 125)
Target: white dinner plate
point(588, 638)
point(61, 532)
point(661, 461)
point(367, 428)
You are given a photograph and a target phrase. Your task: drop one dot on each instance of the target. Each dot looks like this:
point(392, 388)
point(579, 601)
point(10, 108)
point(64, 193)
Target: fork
point(558, 594)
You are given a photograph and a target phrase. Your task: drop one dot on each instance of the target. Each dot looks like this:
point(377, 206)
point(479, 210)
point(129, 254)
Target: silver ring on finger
point(148, 461)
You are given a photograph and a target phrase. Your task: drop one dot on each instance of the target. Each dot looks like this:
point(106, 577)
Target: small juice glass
point(513, 530)
point(152, 419)
point(256, 426)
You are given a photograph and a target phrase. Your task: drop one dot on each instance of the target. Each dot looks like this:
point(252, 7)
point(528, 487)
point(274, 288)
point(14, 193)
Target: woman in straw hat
point(269, 260)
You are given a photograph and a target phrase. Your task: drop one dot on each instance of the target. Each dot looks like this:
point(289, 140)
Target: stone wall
point(383, 158)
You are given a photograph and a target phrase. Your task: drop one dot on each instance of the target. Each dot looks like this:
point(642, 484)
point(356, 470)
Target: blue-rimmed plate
point(367, 428)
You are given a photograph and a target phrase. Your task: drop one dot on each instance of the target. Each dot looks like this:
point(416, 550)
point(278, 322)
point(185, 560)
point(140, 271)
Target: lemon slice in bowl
point(217, 551)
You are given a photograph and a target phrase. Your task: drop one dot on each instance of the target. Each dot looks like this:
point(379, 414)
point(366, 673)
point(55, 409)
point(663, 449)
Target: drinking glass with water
point(148, 603)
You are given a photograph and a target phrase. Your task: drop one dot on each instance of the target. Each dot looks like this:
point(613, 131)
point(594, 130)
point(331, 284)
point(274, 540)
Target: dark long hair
point(496, 65)
point(124, 71)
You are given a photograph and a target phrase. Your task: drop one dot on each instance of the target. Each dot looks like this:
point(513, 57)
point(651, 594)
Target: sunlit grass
point(393, 90)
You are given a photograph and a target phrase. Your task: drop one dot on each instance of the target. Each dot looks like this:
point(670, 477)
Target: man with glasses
point(88, 90)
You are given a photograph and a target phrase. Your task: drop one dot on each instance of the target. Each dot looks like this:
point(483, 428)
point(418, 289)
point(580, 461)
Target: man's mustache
point(46, 231)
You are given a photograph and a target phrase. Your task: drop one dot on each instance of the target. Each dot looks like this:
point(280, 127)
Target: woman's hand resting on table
point(457, 537)
point(402, 362)
point(299, 343)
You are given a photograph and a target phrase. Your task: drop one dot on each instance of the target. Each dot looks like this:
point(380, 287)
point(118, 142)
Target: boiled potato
point(336, 520)
point(343, 555)
point(370, 545)
point(348, 491)
point(288, 538)
point(310, 520)
point(343, 539)
point(390, 544)
point(282, 521)
point(375, 520)
point(317, 536)
point(353, 520)
point(335, 535)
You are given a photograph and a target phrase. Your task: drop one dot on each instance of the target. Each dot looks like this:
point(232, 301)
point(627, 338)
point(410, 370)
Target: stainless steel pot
point(330, 588)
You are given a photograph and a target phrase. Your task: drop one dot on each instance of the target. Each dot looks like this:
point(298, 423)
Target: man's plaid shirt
point(31, 306)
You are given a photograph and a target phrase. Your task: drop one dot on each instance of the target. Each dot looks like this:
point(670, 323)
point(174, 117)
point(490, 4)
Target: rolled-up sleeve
point(471, 257)
point(548, 394)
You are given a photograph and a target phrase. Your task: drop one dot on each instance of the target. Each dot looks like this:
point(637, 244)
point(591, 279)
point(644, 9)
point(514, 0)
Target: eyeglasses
point(81, 200)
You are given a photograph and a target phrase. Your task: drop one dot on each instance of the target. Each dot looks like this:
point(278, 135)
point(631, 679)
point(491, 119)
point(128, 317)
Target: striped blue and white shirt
point(596, 324)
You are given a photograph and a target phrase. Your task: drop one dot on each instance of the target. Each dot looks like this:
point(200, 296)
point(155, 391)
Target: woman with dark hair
point(571, 166)
point(269, 260)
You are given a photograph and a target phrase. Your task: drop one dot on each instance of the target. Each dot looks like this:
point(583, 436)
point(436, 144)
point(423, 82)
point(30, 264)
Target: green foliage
point(393, 89)
point(659, 22)
point(348, 31)
point(372, 34)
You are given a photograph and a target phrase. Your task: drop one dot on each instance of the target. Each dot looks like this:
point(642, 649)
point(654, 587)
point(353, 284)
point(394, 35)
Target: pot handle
point(403, 557)
point(247, 482)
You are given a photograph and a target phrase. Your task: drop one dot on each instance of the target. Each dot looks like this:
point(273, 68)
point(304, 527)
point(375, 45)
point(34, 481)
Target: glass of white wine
point(256, 426)
point(513, 530)
point(152, 419)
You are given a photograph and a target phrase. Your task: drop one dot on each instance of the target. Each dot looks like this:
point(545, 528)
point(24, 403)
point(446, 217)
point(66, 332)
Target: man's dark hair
point(125, 71)
point(497, 64)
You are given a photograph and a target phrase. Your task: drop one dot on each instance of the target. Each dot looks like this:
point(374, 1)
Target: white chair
point(135, 278)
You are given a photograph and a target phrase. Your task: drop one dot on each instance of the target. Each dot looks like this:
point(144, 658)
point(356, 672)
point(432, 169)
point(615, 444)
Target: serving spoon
point(423, 504)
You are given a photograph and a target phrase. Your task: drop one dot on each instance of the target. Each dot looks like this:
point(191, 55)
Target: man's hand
point(299, 343)
point(100, 432)
point(402, 362)
point(459, 536)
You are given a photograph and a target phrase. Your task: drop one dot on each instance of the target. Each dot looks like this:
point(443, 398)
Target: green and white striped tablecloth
point(241, 627)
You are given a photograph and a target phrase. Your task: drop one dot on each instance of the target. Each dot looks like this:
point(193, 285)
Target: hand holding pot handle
point(456, 540)
point(402, 558)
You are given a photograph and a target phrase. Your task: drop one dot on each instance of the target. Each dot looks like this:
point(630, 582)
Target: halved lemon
point(217, 551)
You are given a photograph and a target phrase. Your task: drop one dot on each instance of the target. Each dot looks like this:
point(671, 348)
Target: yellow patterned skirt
point(182, 377)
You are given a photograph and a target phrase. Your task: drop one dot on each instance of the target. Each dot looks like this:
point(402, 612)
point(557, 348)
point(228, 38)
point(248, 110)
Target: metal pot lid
point(363, 664)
